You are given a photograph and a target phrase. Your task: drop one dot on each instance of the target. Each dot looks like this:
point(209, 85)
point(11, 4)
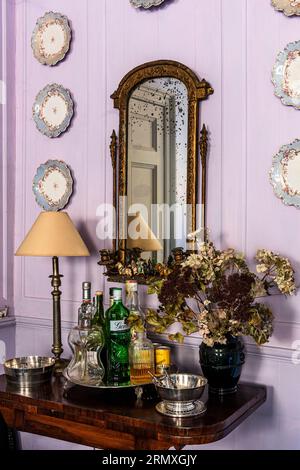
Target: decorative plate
point(51, 38)
point(286, 75)
point(289, 7)
point(53, 110)
point(146, 3)
point(52, 185)
point(285, 174)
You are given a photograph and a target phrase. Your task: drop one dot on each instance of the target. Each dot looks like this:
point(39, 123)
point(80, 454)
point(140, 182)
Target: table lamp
point(53, 234)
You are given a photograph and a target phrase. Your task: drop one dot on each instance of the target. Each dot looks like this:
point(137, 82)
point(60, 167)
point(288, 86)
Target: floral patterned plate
point(289, 7)
point(53, 110)
point(146, 3)
point(285, 174)
point(286, 75)
point(51, 38)
point(53, 185)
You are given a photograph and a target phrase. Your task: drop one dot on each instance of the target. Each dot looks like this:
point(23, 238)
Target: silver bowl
point(29, 371)
point(189, 387)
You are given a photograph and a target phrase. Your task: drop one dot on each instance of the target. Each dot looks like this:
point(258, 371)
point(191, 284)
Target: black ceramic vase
point(222, 365)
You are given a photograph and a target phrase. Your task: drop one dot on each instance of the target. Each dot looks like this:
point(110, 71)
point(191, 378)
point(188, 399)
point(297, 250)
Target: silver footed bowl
point(187, 387)
point(28, 371)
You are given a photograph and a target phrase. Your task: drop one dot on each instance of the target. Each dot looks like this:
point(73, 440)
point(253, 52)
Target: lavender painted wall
point(233, 44)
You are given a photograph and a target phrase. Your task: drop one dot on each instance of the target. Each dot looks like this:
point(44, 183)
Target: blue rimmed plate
point(286, 75)
point(51, 38)
point(53, 185)
point(285, 174)
point(289, 7)
point(146, 3)
point(53, 110)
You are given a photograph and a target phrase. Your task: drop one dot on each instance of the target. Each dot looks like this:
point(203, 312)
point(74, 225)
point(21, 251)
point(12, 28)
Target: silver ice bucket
point(181, 395)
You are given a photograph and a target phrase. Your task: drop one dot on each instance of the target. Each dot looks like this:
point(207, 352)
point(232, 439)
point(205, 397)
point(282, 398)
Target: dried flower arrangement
point(215, 293)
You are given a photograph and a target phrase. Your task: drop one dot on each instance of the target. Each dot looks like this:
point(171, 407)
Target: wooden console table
point(117, 420)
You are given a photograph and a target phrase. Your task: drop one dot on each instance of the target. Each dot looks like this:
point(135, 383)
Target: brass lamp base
point(57, 348)
point(60, 365)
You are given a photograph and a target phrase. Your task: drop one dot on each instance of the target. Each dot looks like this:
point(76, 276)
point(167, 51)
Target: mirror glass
point(157, 143)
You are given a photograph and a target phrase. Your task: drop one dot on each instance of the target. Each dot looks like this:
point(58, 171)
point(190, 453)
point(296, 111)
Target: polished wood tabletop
point(117, 419)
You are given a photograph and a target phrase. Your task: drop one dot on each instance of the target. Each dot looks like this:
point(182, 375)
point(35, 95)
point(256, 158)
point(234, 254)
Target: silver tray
point(102, 387)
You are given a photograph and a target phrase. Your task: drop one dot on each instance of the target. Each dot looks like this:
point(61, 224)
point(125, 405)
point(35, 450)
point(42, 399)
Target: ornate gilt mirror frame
point(197, 91)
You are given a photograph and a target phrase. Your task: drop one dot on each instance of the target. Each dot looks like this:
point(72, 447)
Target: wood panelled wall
point(231, 43)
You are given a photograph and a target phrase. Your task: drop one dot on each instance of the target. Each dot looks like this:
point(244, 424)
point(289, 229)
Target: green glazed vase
point(222, 365)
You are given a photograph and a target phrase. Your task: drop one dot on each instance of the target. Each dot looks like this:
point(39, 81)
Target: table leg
point(9, 438)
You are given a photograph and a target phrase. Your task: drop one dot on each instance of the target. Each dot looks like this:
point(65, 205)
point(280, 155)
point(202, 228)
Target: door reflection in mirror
point(157, 159)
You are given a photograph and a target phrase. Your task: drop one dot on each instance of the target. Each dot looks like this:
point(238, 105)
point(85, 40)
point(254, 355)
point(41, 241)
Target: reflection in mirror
point(155, 171)
point(157, 161)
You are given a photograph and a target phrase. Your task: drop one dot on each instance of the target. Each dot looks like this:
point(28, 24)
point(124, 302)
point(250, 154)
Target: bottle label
point(119, 325)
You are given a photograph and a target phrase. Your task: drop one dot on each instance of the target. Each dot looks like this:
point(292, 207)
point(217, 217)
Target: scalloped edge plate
point(41, 198)
point(43, 22)
point(278, 74)
point(40, 99)
point(146, 3)
point(277, 177)
point(287, 7)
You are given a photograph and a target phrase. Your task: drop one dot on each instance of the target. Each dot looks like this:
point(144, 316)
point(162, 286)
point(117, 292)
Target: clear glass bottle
point(137, 318)
point(141, 359)
point(86, 342)
point(86, 308)
point(118, 340)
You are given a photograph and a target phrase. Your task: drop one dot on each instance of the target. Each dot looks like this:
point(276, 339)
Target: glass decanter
point(86, 342)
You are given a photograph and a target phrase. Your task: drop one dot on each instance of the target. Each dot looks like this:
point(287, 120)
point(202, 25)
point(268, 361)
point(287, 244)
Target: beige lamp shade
point(53, 234)
point(146, 240)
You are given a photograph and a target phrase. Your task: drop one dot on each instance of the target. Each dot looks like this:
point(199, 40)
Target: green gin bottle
point(118, 340)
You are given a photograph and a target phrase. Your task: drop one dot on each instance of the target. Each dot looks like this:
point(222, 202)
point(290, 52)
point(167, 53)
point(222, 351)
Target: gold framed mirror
point(155, 161)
